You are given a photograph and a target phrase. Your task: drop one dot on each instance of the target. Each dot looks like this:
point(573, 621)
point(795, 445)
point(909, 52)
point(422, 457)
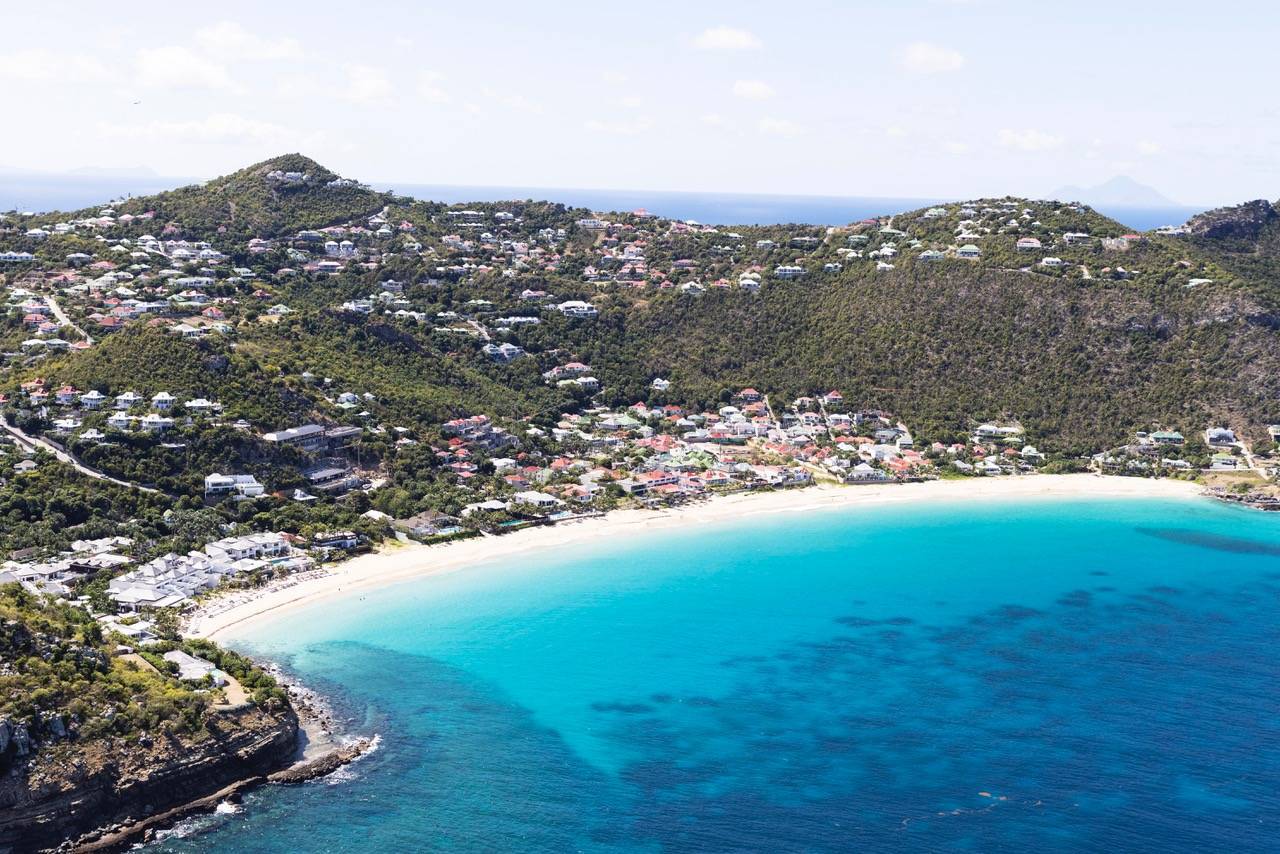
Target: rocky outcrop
point(322, 766)
point(70, 791)
point(1242, 222)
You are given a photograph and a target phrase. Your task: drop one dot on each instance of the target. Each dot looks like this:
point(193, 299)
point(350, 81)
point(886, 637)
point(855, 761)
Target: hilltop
point(287, 192)
point(1244, 239)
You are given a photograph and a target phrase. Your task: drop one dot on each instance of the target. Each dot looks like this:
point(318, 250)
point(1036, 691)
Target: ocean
point(746, 208)
point(38, 192)
point(1050, 675)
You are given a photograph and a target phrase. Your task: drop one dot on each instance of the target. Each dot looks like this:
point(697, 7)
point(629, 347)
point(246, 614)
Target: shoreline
point(227, 616)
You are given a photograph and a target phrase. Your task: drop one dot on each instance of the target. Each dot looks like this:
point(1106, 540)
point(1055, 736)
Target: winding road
point(33, 442)
point(63, 319)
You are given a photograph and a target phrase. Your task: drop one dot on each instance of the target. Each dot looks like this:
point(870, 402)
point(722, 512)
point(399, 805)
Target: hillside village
point(353, 366)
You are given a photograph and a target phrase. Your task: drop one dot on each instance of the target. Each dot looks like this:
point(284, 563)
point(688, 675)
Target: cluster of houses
point(168, 581)
point(173, 580)
point(126, 409)
point(55, 576)
point(1165, 451)
point(594, 454)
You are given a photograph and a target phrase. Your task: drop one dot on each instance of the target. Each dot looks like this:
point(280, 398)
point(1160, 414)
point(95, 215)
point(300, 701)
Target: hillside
point(263, 200)
point(1245, 239)
point(463, 355)
point(1078, 364)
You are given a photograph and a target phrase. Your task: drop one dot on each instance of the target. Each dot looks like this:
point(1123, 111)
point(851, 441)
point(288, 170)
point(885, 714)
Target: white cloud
point(779, 127)
point(895, 132)
point(513, 101)
point(714, 120)
point(216, 128)
point(364, 84)
point(429, 88)
point(42, 65)
point(297, 85)
point(1149, 148)
point(229, 39)
point(626, 127)
point(929, 58)
point(726, 38)
point(955, 147)
point(755, 90)
point(175, 67)
point(1028, 140)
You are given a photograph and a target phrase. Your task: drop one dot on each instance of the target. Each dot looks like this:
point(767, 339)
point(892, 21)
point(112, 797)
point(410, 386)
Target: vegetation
point(61, 679)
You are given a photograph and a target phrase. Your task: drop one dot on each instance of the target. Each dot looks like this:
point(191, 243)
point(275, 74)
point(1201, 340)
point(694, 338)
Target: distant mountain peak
point(1120, 191)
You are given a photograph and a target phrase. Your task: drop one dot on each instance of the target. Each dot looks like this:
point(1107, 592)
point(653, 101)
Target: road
point(772, 418)
point(63, 319)
point(33, 442)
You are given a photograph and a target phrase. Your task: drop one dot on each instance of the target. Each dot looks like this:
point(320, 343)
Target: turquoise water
point(1051, 676)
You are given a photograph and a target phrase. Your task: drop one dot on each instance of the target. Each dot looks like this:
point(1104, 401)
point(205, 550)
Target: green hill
point(1060, 318)
point(250, 203)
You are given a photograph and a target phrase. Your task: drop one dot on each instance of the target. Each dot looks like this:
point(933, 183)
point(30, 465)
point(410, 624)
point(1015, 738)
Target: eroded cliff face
point(58, 794)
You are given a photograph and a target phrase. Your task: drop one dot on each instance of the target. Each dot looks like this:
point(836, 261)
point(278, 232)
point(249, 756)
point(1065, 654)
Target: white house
point(245, 485)
point(537, 499)
point(577, 308)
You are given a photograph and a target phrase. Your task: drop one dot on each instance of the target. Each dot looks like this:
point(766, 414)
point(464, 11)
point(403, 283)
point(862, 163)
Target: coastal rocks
point(322, 766)
point(120, 835)
point(45, 802)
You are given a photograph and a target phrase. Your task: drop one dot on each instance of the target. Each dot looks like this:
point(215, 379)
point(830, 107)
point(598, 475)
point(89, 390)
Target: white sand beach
point(224, 616)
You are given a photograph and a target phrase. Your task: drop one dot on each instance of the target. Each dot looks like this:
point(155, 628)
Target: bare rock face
point(1245, 221)
point(75, 787)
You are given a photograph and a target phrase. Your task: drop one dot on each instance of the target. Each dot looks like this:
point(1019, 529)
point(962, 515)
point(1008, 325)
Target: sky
point(902, 98)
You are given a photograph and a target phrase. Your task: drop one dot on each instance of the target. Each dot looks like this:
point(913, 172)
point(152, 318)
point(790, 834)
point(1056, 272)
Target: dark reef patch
point(1217, 542)
point(623, 708)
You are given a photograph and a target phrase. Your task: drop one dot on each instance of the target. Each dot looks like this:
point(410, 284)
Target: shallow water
point(1053, 676)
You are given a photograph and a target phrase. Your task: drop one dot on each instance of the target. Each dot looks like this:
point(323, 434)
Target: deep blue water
point(1051, 676)
point(744, 208)
point(39, 192)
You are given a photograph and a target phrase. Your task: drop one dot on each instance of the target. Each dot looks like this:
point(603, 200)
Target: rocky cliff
point(58, 794)
point(1244, 222)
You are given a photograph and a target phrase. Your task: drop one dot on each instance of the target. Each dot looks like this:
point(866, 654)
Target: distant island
point(1119, 192)
point(218, 388)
